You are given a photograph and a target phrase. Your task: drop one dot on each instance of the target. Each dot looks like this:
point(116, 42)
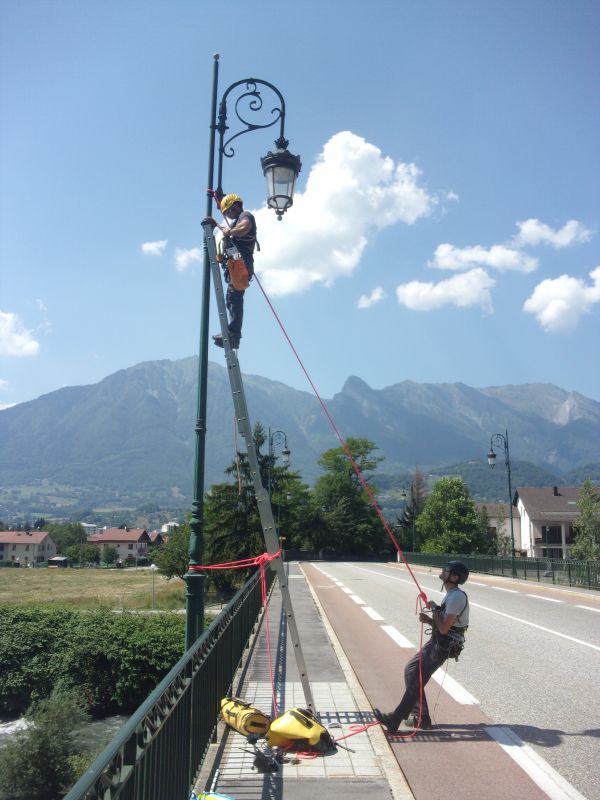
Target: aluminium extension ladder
point(243, 422)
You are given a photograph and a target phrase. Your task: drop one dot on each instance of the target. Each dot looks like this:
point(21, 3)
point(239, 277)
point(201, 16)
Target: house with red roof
point(131, 543)
point(26, 547)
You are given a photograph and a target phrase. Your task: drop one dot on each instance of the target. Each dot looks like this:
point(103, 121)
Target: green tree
point(407, 522)
point(449, 521)
point(487, 541)
point(110, 553)
point(85, 553)
point(40, 763)
point(587, 527)
point(348, 521)
point(172, 557)
point(66, 534)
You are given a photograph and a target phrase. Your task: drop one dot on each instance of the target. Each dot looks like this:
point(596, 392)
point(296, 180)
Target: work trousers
point(234, 301)
point(420, 667)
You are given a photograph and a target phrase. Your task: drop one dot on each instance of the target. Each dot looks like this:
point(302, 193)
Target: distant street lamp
point(501, 440)
point(403, 495)
point(280, 169)
point(277, 438)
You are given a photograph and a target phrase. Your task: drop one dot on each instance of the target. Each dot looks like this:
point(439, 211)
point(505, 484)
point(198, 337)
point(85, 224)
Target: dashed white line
point(549, 599)
point(475, 583)
point(348, 591)
point(502, 589)
point(541, 773)
point(589, 608)
point(394, 634)
point(358, 600)
point(372, 613)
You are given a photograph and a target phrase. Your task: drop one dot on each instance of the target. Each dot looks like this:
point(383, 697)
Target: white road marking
point(358, 600)
point(454, 689)
point(539, 627)
point(499, 613)
point(589, 608)
point(502, 589)
point(474, 583)
point(541, 773)
point(549, 599)
point(348, 591)
point(373, 614)
point(394, 634)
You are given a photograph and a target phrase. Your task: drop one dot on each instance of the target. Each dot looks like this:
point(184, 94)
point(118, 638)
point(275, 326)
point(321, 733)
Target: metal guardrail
point(561, 571)
point(159, 751)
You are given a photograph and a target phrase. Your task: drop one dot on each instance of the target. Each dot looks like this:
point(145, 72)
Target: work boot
point(413, 722)
point(387, 720)
point(234, 340)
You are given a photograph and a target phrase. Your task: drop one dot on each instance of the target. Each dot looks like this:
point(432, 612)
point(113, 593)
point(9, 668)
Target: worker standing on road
point(448, 623)
point(240, 236)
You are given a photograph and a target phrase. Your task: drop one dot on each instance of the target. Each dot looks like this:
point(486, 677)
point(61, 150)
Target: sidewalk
point(363, 765)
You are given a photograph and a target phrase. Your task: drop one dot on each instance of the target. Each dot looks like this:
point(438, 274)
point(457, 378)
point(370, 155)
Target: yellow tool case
point(243, 717)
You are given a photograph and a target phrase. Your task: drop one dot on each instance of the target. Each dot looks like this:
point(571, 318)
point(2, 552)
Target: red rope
point(256, 561)
point(345, 448)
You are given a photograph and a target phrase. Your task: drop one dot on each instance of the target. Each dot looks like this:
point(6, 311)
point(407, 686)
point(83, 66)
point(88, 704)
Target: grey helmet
point(458, 568)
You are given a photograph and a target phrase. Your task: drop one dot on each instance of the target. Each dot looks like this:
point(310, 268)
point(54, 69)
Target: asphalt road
point(532, 661)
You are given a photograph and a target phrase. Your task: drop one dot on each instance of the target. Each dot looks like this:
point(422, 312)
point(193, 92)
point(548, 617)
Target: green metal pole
point(195, 580)
point(510, 506)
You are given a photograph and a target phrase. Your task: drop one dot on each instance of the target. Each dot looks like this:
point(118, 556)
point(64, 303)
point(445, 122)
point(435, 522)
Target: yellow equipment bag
point(299, 728)
point(243, 717)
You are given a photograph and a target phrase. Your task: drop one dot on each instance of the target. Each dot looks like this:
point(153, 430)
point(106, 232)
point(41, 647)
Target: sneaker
point(386, 720)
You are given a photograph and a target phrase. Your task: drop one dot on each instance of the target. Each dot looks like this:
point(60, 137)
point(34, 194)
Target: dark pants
point(416, 670)
point(234, 301)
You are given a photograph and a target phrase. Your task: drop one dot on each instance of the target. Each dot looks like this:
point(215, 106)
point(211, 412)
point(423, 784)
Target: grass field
point(127, 589)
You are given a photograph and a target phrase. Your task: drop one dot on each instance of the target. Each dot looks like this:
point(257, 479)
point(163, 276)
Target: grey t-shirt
point(456, 602)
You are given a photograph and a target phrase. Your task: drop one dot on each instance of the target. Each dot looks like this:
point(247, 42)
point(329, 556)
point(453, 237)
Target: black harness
point(452, 642)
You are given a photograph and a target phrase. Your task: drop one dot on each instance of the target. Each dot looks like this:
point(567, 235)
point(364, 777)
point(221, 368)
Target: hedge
point(114, 660)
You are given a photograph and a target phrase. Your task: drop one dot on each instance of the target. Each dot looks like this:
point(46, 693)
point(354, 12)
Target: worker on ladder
point(239, 243)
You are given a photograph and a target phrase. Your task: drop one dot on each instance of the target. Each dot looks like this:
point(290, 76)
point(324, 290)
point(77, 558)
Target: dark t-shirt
point(246, 244)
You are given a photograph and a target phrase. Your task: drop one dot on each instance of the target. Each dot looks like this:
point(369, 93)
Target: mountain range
point(133, 432)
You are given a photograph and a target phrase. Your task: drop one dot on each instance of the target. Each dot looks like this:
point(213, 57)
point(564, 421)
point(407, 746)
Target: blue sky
point(446, 225)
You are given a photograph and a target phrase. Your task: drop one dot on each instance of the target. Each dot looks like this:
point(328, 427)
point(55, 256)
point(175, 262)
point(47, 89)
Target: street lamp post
point(280, 169)
point(501, 440)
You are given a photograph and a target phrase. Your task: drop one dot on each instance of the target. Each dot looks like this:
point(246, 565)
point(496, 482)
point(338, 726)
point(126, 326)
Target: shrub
point(115, 660)
point(41, 762)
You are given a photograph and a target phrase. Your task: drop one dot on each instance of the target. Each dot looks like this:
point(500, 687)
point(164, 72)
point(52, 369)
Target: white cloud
point(15, 340)
point(533, 232)
point(366, 301)
point(185, 258)
point(498, 256)
point(351, 190)
point(154, 248)
point(6, 405)
point(558, 303)
point(4, 384)
point(466, 289)
point(41, 305)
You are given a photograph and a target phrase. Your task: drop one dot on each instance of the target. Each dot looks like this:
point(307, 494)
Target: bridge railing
point(561, 571)
point(159, 751)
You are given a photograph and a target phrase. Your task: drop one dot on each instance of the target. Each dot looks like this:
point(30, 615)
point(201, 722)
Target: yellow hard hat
point(230, 200)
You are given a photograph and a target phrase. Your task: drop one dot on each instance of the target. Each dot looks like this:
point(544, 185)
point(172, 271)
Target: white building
point(547, 517)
